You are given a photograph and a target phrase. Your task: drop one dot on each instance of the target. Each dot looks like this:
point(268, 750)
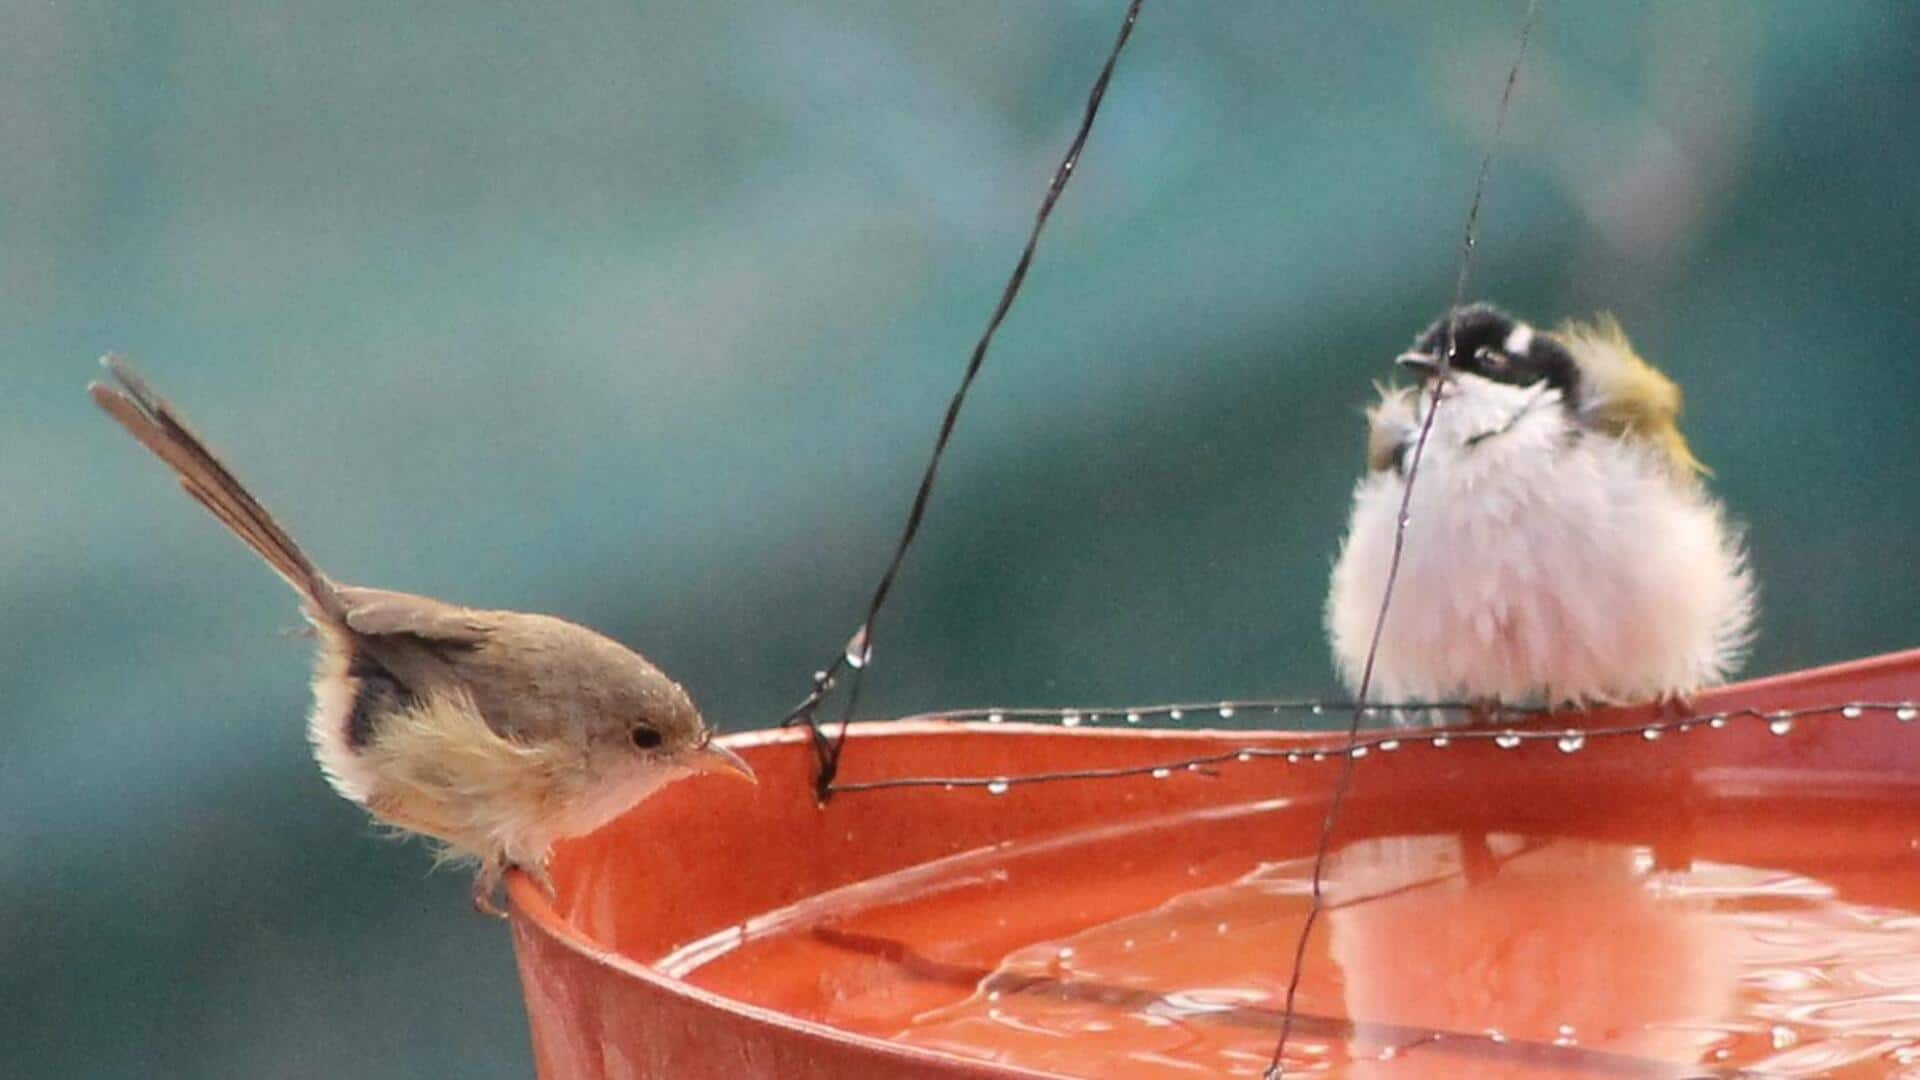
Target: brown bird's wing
point(378, 612)
point(403, 649)
point(497, 660)
point(158, 427)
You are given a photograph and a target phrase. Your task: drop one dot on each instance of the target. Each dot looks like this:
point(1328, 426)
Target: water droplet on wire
point(1571, 742)
point(1851, 712)
point(858, 650)
point(1780, 724)
point(998, 787)
point(1507, 740)
point(1906, 714)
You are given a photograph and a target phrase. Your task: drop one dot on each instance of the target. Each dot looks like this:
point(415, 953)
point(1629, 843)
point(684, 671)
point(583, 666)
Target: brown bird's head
point(542, 680)
point(661, 724)
point(636, 711)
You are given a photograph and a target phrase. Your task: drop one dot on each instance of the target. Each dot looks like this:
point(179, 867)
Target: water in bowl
point(1757, 935)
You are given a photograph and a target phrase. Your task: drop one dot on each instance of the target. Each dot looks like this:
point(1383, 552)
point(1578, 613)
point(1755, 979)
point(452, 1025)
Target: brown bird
point(494, 732)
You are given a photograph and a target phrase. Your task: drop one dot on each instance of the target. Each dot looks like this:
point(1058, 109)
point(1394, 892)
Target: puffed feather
point(1622, 394)
point(1391, 426)
point(1548, 563)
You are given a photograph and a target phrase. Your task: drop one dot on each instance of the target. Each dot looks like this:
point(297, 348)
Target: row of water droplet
point(1226, 710)
point(1567, 741)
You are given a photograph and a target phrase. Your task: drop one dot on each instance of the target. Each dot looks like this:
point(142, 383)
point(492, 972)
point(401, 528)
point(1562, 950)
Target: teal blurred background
point(644, 314)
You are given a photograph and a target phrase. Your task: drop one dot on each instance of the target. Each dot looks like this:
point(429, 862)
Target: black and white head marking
point(1494, 345)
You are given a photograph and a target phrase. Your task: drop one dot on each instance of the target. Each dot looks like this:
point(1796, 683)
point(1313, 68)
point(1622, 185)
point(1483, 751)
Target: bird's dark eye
point(644, 737)
point(1492, 358)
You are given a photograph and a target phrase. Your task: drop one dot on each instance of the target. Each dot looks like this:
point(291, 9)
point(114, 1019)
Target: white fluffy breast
point(334, 692)
point(1544, 563)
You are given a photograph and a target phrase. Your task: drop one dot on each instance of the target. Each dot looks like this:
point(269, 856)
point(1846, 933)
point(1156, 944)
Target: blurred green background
point(644, 313)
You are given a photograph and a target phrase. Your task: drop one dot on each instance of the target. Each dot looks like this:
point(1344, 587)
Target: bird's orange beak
point(714, 758)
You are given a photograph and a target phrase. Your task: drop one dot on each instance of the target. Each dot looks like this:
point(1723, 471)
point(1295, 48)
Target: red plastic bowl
point(706, 855)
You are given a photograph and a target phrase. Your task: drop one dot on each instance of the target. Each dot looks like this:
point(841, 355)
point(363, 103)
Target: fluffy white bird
point(1561, 546)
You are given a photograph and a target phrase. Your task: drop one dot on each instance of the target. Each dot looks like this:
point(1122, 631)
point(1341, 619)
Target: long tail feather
point(149, 419)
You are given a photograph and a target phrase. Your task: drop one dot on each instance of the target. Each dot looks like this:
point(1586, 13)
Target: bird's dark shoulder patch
point(377, 693)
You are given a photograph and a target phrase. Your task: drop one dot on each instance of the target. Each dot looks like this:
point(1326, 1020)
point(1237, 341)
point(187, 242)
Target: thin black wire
point(860, 646)
point(1178, 710)
point(1275, 1069)
point(1569, 740)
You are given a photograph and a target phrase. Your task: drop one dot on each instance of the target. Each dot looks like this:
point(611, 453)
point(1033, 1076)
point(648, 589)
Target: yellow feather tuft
point(1624, 395)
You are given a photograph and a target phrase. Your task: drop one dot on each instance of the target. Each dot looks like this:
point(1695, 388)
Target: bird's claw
point(483, 901)
point(1486, 713)
point(1675, 704)
point(489, 893)
point(541, 878)
point(486, 886)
